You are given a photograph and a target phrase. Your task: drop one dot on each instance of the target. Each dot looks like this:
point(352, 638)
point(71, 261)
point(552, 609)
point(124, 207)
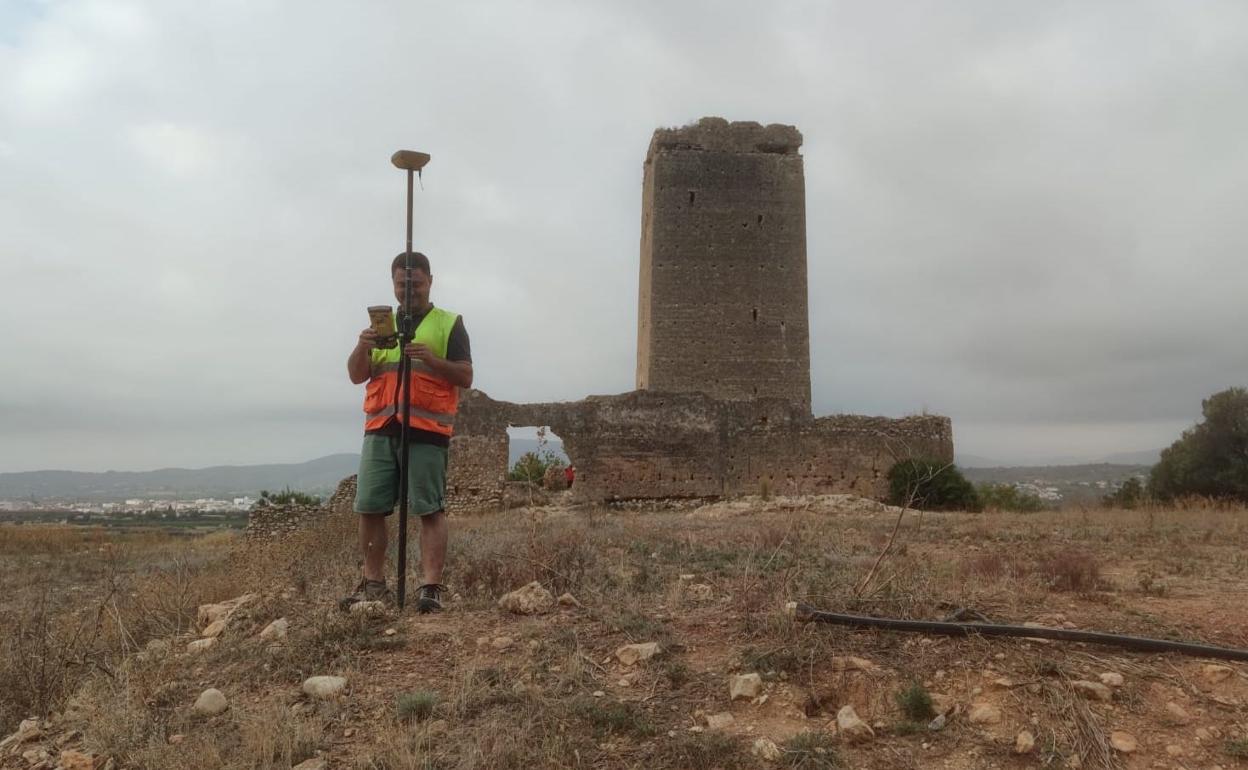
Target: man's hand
point(455, 372)
point(421, 352)
point(368, 340)
point(359, 363)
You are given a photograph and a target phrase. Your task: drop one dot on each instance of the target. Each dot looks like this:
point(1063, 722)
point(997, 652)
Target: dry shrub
point(994, 565)
point(1070, 569)
point(44, 656)
point(275, 738)
point(485, 562)
point(85, 598)
point(707, 751)
point(527, 732)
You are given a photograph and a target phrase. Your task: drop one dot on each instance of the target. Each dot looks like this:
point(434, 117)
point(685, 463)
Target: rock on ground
point(851, 727)
point(1214, 673)
point(532, 599)
point(200, 645)
point(316, 763)
point(1177, 713)
point(210, 702)
point(1111, 679)
point(1024, 743)
point(719, 721)
point(631, 654)
point(745, 686)
point(28, 730)
point(76, 760)
point(1124, 742)
point(276, 630)
point(324, 686)
point(766, 750)
point(211, 613)
point(984, 714)
point(371, 608)
point(568, 600)
point(1093, 690)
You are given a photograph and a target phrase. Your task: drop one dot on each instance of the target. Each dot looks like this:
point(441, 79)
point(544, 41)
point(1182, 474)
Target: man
point(441, 362)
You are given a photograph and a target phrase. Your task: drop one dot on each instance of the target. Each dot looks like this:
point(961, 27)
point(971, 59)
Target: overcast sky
point(1026, 216)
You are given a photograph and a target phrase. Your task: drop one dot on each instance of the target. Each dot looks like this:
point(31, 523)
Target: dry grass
point(1070, 570)
point(78, 600)
point(533, 705)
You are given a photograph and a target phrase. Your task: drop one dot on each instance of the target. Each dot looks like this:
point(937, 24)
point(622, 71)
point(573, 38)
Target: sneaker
point(429, 598)
point(367, 591)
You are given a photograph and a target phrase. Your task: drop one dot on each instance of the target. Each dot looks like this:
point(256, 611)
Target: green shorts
point(377, 486)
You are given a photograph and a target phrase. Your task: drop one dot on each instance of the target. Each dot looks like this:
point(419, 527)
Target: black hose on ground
point(807, 614)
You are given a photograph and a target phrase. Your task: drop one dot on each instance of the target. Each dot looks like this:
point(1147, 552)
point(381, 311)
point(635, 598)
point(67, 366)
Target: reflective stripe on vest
point(393, 366)
point(434, 401)
point(438, 417)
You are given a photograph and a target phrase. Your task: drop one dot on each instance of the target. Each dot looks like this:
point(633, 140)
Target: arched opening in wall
point(536, 460)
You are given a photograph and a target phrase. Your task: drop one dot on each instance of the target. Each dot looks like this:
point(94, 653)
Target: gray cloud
point(1024, 216)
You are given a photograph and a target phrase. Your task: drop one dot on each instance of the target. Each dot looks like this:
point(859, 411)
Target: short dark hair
point(419, 262)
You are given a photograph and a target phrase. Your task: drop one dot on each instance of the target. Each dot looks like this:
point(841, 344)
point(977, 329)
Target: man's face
point(421, 282)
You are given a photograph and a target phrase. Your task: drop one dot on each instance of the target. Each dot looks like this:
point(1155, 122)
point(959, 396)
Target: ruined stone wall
point(842, 454)
point(279, 520)
point(478, 470)
point(649, 445)
point(723, 263)
point(265, 521)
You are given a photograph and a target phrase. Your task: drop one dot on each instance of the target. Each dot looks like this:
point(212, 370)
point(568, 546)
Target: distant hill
point(319, 477)
point(1147, 457)
point(316, 477)
point(1055, 473)
point(975, 461)
point(1075, 483)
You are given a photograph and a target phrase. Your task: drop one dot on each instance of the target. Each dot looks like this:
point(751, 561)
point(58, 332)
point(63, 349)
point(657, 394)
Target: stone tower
point(722, 301)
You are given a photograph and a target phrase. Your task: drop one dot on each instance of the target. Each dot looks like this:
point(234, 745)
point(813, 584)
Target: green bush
point(1129, 495)
point(1211, 458)
point(415, 706)
point(916, 703)
point(931, 485)
point(1007, 497)
point(287, 496)
point(531, 466)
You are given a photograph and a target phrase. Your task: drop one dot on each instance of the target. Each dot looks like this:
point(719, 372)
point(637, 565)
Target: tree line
point(1209, 460)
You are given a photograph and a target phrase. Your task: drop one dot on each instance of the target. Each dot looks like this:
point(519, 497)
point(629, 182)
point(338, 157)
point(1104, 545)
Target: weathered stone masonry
point(723, 351)
point(722, 293)
point(649, 445)
point(280, 520)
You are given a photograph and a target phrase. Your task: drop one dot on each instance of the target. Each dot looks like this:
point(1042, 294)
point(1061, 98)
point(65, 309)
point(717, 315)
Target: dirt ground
point(477, 686)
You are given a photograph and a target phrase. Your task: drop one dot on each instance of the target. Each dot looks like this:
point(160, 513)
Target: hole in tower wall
point(760, 219)
point(755, 314)
point(692, 195)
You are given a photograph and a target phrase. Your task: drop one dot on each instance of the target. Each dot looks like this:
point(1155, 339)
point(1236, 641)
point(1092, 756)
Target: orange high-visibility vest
point(434, 400)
